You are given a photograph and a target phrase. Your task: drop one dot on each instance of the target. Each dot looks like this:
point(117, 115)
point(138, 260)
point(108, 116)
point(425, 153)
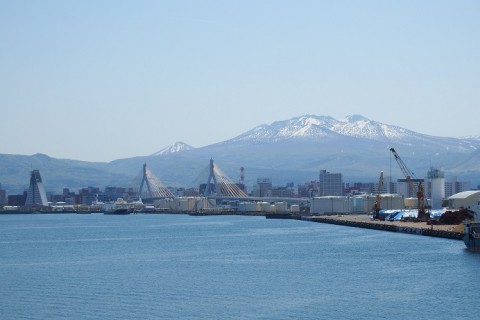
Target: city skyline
point(327, 185)
point(99, 81)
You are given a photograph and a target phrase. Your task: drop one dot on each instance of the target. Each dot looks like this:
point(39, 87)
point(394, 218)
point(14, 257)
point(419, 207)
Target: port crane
point(422, 214)
point(376, 206)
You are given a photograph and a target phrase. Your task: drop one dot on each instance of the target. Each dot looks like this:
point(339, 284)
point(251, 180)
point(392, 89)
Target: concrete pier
point(364, 221)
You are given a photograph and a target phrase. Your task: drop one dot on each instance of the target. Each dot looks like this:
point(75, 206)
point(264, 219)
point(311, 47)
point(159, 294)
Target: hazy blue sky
point(102, 80)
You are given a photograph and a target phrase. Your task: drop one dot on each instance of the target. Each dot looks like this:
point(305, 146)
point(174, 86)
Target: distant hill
point(174, 148)
point(56, 173)
point(292, 150)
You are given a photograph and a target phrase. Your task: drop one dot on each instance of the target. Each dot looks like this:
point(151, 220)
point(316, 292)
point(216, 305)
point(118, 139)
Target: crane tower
point(377, 205)
point(422, 214)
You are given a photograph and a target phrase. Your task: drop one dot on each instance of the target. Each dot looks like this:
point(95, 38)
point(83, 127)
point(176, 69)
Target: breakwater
point(391, 227)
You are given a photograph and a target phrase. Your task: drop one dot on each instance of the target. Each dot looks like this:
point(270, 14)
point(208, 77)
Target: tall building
point(453, 187)
point(17, 199)
point(263, 188)
point(36, 191)
point(436, 187)
point(330, 184)
point(390, 185)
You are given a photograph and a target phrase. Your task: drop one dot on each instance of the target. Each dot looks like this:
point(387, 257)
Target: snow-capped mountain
point(320, 128)
point(312, 126)
point(174, 148)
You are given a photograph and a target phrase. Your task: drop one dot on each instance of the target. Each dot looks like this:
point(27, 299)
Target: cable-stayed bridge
point(212, 182)
point(150, 187)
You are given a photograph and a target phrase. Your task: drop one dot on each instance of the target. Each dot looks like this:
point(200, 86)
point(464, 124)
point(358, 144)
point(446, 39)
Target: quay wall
point(427, 231)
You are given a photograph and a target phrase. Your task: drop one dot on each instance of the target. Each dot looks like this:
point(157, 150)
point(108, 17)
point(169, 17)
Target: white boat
point(120, 206)
point(96, 206)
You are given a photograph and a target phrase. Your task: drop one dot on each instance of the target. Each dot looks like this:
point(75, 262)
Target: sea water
point(68, 266)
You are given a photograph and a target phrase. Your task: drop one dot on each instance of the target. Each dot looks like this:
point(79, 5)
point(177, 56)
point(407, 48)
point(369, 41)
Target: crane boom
point(406, 172)
point(422, 215)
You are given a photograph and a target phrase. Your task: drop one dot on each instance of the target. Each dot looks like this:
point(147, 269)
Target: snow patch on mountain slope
point(174, 148)
point(313, 126)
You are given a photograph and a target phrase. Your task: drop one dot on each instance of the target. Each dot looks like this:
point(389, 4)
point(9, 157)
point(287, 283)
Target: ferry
point(118, 207)
point(471, 237)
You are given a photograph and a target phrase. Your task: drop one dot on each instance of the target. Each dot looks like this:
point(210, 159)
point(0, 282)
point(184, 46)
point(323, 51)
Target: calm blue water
point(231, 267)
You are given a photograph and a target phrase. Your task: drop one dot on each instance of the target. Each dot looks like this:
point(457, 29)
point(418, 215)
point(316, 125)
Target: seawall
point(417, 228)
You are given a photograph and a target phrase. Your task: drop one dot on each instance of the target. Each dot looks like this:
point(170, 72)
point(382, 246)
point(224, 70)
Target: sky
point(105, 80)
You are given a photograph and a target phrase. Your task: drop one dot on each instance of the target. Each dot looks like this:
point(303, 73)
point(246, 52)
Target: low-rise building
point(463, 200)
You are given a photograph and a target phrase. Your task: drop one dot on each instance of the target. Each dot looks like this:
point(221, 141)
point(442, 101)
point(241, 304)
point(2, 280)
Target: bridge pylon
point(222, 186)
point(154, 187)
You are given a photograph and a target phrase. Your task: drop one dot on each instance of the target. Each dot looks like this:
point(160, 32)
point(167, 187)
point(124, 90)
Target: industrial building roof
point(465, 194)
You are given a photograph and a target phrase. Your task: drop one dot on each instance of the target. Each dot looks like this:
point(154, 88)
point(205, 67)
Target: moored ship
point(472, 230)
point(118, 207)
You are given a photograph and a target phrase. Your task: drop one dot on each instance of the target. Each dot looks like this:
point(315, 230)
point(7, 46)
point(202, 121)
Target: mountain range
point(291, 150)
